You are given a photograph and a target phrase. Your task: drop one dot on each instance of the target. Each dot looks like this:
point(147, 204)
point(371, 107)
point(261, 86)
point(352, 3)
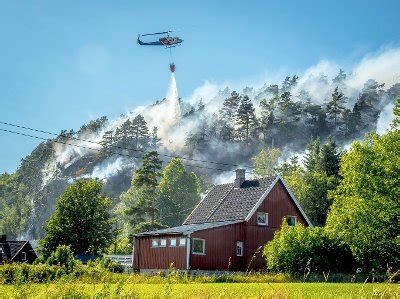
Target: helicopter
point(167, 41)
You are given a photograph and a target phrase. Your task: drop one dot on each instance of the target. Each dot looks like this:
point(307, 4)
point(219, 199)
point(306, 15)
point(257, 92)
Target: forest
point(154, 180)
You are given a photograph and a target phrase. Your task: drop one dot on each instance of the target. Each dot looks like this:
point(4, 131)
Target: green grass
point(124, 289)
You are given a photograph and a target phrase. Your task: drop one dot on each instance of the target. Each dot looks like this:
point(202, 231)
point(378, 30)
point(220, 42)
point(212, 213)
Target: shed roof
point(186, 229)
point(9, 249)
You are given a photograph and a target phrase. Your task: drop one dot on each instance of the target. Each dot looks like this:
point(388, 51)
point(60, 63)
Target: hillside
point(215, 135)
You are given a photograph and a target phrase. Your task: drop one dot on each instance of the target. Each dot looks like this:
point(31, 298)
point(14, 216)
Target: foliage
point(396, 112)
point(178, 193)
point(366, 204)
point(62, 256)
point(81, 220)
point(300, 250)
point(14, 206)
point(319, 176)
point(266, 162)
point(122, 245)
point(140, 200)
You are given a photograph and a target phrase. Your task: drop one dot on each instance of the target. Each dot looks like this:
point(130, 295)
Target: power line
point(126, 148)
point(95, 149)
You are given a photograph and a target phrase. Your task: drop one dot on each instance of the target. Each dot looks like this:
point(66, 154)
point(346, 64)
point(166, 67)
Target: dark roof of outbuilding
point(227, 203)
point(11, 248)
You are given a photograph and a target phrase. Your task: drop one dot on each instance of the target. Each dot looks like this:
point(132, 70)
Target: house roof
point(11, 248)
point(185, 229)
point(227, 203)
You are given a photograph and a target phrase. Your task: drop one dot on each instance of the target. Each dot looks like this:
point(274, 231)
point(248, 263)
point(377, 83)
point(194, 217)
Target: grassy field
point(200, 290)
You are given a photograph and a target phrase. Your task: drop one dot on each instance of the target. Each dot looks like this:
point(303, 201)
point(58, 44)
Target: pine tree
point(140, 199)
point(329, 158)
point(155, 141)
point(230, 106)
point(312, 157)
point(341, 76)
point(139, 132)
point(108, 140)
point(335, 105)
point(246, 119)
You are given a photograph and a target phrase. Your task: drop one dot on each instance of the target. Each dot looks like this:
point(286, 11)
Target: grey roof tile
point(226, 203)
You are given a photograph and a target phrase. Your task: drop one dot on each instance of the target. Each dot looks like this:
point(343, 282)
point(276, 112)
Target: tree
point(108, 140)
point(329, 158)
point(14, 206)
point(312, 184)
point(340, 77)
point(335, 105)
point(81, 219)
point(230, 106)
point(298, 249)
point(140, 199)
point(245, 119)
point(179, 192)
point(396, 112)
point(139, 132)
point(366, 204)
point(266, 162)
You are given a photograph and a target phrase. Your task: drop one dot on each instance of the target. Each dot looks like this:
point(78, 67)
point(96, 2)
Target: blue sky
point(63, 63)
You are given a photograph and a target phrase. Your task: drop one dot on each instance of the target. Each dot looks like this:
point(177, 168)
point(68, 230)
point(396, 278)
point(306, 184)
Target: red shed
point(225, 232)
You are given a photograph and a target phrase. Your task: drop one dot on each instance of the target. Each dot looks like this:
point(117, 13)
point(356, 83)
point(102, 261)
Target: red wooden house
point(226, 230)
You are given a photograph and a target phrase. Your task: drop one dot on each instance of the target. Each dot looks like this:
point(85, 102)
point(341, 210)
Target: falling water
point(174, 111)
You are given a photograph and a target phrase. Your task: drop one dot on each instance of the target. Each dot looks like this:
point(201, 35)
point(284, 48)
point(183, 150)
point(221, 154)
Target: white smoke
point(173, 129)
point(108, 168)
point(385, 119)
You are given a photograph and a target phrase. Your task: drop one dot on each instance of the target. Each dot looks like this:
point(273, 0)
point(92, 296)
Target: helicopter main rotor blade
point(157, 33)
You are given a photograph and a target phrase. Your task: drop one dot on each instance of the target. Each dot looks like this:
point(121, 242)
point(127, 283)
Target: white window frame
point(266, 219)
point(241, 245)
point(163, 241)
point(170, 242)
point(293, 217)
point(182, 242)
point(204, 247)
point(23, 256)
point(155, 240)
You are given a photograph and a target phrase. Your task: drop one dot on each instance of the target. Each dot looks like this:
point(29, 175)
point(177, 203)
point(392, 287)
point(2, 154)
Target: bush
point(299, 251)
point(63, 256)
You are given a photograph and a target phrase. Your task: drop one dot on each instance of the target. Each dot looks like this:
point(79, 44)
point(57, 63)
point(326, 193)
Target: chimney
point(3, 239)
point(240, 177)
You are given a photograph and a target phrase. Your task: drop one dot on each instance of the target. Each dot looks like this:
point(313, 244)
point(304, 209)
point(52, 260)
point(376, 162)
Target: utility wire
point(125, 148)
point(95, 149)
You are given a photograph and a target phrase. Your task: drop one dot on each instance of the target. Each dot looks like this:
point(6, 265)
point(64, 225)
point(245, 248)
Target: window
point(262, 218)
point(163, 242)
point(199, 246)
point(172, 242)
point(182, 242)
point(154, 243)
point(23, 255)
point(239, 248)
point(291, 220)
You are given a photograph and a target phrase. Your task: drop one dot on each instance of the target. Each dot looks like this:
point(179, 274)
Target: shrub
point(63, 256)
point(299, 251)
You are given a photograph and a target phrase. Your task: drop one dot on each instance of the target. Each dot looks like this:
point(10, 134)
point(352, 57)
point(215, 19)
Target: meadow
point(124, 289)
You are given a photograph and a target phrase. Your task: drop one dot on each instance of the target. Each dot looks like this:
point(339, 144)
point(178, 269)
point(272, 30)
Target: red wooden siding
point(220, 242)
point(220, 248)
point(278, 204)
point(147, 257)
